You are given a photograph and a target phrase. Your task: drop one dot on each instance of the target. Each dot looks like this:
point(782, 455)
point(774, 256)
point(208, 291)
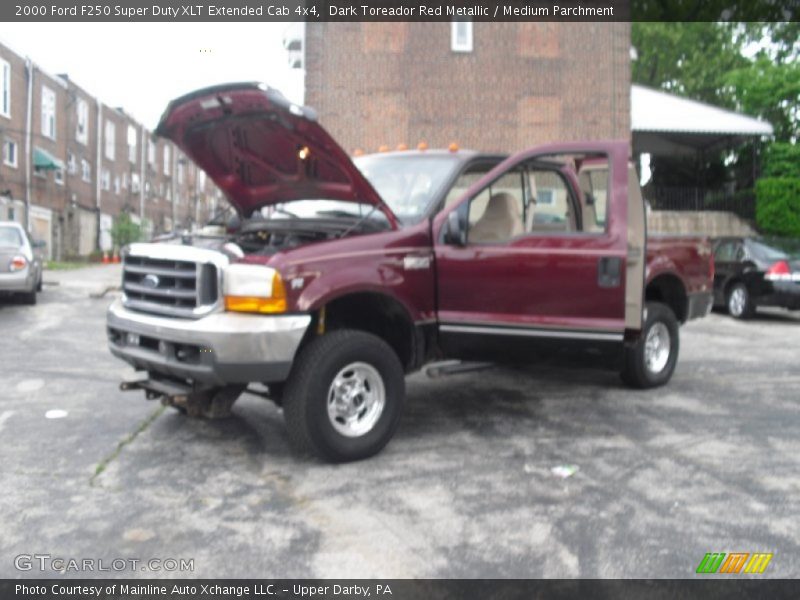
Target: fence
point(742, 203)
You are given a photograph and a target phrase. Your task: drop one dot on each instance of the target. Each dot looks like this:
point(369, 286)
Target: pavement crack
point(128, 439)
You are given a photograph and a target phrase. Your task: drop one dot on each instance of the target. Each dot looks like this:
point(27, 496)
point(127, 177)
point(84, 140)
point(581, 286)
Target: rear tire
point(650, 361)
point(29, 298)
point(344, 397)
point(739, 302)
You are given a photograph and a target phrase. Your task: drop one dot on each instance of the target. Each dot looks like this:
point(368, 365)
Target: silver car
point(20, 262)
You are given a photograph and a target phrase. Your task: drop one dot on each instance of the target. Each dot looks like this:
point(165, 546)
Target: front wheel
point(651, 360)
point(344, 397)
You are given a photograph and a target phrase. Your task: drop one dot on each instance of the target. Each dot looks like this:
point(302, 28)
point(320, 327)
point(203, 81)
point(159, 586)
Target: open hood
point(260, 149)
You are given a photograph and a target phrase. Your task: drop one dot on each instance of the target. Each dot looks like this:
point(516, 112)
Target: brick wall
point(523, 84)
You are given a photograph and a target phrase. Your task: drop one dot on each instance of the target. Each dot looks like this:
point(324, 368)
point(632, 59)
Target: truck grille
point(163, 285)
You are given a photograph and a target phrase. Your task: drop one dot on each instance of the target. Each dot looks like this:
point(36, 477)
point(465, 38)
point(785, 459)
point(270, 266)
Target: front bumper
point(19, 281)
point(221, 348)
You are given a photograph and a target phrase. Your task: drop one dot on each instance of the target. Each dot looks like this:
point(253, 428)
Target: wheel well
point(669, 290)
point(378, 314)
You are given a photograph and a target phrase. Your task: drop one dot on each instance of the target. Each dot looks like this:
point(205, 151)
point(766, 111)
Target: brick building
point(71, 165)
point(489, 86)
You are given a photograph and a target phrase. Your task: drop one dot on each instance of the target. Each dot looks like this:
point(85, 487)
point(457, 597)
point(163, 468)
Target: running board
point(453, 367)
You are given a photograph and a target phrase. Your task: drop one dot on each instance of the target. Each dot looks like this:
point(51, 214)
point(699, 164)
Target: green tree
point(125, 231)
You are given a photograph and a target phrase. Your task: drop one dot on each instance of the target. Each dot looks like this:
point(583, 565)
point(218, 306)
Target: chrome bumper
point(218, 349)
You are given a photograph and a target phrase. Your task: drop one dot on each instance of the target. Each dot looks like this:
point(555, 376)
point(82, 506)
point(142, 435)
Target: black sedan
point(752, 272)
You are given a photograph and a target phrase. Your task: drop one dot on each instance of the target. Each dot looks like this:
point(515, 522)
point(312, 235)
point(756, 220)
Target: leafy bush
point(778, 206)
point(124, 231)
point(781, 160)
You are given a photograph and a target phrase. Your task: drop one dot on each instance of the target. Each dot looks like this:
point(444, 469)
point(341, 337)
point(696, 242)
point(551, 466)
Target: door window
point(550, 209)
point(496, 214)
point(725, 252)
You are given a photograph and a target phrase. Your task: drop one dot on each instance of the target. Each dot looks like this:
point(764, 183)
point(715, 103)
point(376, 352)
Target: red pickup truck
point(343, 276)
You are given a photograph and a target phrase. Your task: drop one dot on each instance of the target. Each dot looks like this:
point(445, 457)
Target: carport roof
point(664, 123)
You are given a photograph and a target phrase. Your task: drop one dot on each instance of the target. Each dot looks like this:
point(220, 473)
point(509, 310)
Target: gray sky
point(140, 67)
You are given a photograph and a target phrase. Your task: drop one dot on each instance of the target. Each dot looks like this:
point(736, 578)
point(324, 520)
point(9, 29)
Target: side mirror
point(39, 244)
point(454, 233)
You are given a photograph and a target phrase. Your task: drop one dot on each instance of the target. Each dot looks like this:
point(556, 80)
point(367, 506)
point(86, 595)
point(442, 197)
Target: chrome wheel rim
point(657, 346)
point(356, 399)
point(736, 302)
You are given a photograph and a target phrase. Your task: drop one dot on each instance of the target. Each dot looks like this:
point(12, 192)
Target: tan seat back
point(500, 221)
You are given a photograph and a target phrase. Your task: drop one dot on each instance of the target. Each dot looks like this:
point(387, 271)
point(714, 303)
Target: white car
point(20, 262)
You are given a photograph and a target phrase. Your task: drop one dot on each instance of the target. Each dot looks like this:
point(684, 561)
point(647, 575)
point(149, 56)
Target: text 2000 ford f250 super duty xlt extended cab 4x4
point(342, 277)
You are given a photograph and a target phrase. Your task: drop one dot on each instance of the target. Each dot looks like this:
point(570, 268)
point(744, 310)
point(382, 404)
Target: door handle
point(609, 271)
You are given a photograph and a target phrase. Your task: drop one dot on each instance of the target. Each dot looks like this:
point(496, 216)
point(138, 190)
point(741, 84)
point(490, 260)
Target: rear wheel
point(740, 304)
point(651, 360)
point(344, 397)
point(29, 297)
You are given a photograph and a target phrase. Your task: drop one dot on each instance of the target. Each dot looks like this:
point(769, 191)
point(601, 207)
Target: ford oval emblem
point(150, 281)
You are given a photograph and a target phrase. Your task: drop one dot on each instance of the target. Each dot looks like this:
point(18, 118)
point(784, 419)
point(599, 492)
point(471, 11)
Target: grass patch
point(109, 458)
point(60, 265)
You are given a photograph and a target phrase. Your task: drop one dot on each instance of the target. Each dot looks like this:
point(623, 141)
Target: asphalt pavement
point(467, 488)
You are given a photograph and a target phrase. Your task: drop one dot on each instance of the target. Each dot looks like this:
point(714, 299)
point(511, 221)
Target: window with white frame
point(135, 183)
point(461, 36)
point(151, 153)
point(5, 88)
point(166, 160)
point(58, 175)
point(86, 170)
point(111, 139)
point(179, 173)
point(116, 184)
point(10, 153)
point(82, 125)
point(48, 112)
point(105, 179)
point(132, 143)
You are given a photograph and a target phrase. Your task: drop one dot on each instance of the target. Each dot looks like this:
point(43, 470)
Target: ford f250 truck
point(343, 276)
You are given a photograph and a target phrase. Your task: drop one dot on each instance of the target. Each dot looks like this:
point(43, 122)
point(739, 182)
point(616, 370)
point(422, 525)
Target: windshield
point(9, 236)
point(407, 183)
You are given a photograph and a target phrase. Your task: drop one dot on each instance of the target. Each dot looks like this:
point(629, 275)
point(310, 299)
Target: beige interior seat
point(500, 222)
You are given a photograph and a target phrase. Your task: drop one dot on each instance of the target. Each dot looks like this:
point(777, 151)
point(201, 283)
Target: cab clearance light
point(383, 148)
point(422, 146)
point(402, 147)
point(358, 152)
point(453, 147)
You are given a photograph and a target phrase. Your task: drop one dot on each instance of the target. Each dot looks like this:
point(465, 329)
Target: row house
point(71, 165)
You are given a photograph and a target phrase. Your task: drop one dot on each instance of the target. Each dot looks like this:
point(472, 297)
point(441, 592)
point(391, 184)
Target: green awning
point(45, 161)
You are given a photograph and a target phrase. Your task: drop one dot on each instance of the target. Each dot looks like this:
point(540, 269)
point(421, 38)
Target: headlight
point(17, 263)
point(253, 289)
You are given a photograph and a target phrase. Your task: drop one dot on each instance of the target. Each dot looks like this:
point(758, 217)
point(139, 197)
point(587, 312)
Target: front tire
point(739, 302)
point(650, 361)
point(344, 397)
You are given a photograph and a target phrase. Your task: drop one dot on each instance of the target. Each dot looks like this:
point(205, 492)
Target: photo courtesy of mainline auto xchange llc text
point(368, 302)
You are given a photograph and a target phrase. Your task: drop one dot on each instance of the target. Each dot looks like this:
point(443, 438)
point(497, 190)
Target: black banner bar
point(396, 10)
point(711, 588)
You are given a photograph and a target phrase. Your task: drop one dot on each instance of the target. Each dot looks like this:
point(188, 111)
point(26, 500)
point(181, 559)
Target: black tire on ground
point(309, 390)
point(39, 284)
point(647, 366)
point(739, 303)
point(29, 297)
